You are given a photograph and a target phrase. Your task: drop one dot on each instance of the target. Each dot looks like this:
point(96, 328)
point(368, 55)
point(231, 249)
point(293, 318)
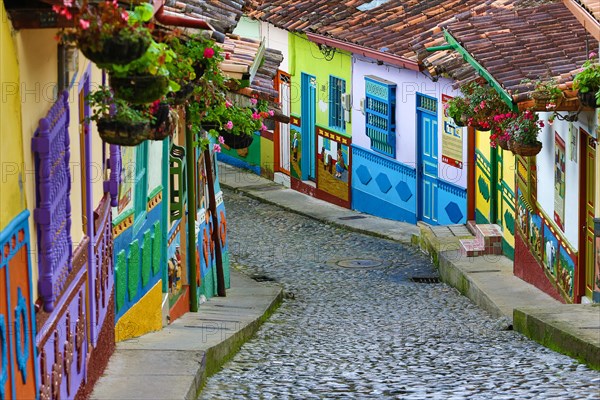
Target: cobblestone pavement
point(371, 333)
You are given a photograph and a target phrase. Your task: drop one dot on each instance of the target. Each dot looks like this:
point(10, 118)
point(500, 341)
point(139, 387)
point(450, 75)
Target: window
point(141, 184)
point(337, 87)
point(380, 114)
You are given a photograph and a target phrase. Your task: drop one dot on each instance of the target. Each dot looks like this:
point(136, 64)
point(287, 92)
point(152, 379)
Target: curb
point(557, 339)
point(216, 356)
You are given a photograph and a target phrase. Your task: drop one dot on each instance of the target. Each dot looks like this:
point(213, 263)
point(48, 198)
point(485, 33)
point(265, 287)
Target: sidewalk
point(488, 281)
point(174, 362)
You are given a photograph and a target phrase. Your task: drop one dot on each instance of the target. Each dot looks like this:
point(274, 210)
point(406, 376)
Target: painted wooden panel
point(17, 322)
point(63, 339)
point(53, 213)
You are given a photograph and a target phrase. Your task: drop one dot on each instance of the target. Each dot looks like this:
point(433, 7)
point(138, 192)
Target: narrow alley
point(365, 330)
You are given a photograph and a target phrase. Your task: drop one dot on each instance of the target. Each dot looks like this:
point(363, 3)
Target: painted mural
point(333, 163)
point(295, 148)
point(452, 139)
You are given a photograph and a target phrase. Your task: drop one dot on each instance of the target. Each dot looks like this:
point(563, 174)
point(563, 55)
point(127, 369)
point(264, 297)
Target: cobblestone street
point(365, 330)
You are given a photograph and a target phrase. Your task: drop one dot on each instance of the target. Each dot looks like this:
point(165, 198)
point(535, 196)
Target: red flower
point(209, 52)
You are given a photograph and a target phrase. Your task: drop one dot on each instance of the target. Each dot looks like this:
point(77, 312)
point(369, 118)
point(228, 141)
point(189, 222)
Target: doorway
point(308, 110)
point(427, 159)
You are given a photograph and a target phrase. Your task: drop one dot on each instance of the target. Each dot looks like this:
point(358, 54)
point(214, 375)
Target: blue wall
point(382, 186)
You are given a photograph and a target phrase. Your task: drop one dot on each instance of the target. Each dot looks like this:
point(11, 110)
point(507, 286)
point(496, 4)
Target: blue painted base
point(369, 204)
point(236, 162)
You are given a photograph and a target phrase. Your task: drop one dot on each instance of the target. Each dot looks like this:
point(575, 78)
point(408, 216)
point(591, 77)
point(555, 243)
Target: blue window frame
point(337, 87)
point(380, 114)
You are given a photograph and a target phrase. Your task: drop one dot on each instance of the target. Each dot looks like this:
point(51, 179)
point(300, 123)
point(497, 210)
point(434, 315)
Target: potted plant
point(522, 130)
point(587, 82)
point(146, 79)
point(459, 109)
point(546, 93)
point(500, 137)
point(106, 33)
point(236, 124)
point(117, 122)
point(163, 124)
point(485, 103)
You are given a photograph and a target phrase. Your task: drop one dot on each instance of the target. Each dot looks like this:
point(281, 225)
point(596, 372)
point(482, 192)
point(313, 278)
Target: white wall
point(545, 170)
point(155, 165)
point(409, 83)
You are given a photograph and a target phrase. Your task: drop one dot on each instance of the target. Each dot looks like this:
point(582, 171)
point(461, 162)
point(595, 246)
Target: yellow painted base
point(145, 316)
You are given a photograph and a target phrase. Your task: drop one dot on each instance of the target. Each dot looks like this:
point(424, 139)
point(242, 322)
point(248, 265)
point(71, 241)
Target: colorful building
point(553, 247)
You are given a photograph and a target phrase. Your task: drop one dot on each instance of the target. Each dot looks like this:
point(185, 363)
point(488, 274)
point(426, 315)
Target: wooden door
point(587, 184)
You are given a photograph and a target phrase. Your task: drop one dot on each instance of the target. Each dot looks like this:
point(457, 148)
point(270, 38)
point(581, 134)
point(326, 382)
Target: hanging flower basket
point(140, 89)
point(588, 99)
point(503, 144)
point(122, 134)
point(182, 95)
point(120, 50)
point(526, 150)
point(233, 141)
point(459, 122)
point(544, 100)
point(163, 125)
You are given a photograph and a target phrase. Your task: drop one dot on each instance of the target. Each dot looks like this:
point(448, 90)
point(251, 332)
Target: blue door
point(427, 156)
point(308, 149)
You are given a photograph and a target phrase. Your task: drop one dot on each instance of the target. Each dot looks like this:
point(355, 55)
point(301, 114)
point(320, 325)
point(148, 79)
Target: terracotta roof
point(389, 27)
point(223, 15)
point(531, 43)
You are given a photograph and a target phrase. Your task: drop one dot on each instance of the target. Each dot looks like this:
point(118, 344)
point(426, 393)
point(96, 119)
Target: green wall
point(306, 57)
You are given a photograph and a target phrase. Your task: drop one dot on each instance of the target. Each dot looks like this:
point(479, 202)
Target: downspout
point(191, 214)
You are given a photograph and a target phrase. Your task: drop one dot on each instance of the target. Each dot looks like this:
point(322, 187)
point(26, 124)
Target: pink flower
point(255, 115)
point(222, 139)
point(482, 104)
point(84, 24)
point(253, 101)
point(209, 52)
point(228, 104)
point(592, 54)
point(229, 125)
point(271, 113)
point(124, 15)
point(216, 148)
point(541, 124)
point(68, 3)
point(263, 127)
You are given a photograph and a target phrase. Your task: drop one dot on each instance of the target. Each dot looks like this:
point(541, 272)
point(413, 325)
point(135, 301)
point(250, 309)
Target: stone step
point(471, 248)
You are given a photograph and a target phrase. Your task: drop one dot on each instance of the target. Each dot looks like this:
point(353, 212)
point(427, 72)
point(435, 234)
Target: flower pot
point(121, 49)
point(182, 95)
point(240, 141)
point(525, 150)
point(503, 144)
point(459, 122)
point(588, 99)
point(199, 69)
point(122, 134)
point(163, 125)
point(140, 89)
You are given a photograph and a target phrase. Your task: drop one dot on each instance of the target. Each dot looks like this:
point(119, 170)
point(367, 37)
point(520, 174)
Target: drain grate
point(352, 217)
point(425, 279)
point(361, 263)
point(262, 278)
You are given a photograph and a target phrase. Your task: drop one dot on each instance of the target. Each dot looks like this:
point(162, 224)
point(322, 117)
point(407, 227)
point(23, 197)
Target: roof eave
point(391, 59)
point(587, 20)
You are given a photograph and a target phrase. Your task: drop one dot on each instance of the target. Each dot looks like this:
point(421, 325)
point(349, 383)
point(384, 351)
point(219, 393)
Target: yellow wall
point(145, 316)
point(12, 196)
